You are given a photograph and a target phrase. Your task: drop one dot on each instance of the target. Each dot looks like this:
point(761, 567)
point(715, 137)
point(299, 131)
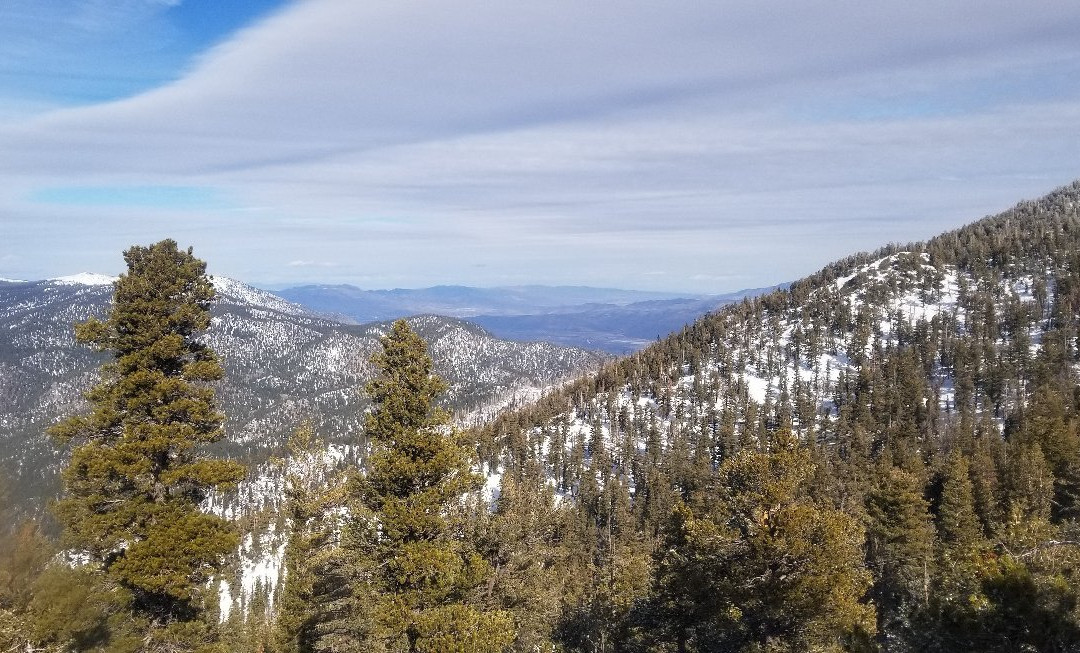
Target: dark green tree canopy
point(418, 476)
point(138, 471)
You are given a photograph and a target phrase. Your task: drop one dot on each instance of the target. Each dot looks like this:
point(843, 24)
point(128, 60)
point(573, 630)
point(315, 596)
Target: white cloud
point(554, 141)
point(299, 263)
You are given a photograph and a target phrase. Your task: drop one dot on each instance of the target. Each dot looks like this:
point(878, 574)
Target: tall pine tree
point(771, 569)
point(139, 470)
point(418, 476)
point(317, 609)
point(900, 553)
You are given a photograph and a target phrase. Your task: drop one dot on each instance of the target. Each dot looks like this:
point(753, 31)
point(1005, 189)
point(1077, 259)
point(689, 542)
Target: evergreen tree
point(24, 556)
point(957, 598)
point(958, 526)
point(318, 610)
point(418, 476)
point(900, 553)
point(139, 470)
point(772, 570)
point(530, 567)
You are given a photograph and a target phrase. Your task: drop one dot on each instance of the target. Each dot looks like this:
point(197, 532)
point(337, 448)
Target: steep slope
point(944, 374)
point(1004, 284)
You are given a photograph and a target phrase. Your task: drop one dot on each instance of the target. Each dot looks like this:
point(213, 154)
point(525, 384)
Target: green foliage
point(900, 553)
point(316, 607)
point(531, 571)
point(139, 470)
point(771, 569)
point(24, 556)
point(411, 517)
point(958, 526)
point(73, 608)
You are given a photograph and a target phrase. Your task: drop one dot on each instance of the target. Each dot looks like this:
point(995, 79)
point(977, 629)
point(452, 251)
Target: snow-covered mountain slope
point(903, 348)
point(84, 279)
point(906, 348)
point(282, 363)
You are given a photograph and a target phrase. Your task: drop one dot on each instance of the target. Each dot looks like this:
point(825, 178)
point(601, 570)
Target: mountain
point(455, 301)
point(611, 320)
point(283, 364)
point(883, 456)
point(1007, 280)
point(616, 329)
point(923, 400)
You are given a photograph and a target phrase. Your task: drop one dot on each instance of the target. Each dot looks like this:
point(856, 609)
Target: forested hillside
point(884, 455)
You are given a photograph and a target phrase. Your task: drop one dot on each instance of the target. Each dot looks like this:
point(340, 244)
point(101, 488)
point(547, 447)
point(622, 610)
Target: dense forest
point(884, 456)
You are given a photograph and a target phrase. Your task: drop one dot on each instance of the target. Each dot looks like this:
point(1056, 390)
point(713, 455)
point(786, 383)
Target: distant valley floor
point(599, 319)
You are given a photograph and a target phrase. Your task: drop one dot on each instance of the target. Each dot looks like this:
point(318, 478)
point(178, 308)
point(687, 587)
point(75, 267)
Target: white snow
point(224, 600)
point(265, 571)
point(894, 294)
point(492, 485)
point(250, 295)
point(85, 279)
point(757, 388)
point(260, 565)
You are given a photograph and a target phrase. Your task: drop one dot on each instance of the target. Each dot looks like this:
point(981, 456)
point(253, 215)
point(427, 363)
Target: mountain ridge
point(283, 364)
point(922, 399)
point(613, 320)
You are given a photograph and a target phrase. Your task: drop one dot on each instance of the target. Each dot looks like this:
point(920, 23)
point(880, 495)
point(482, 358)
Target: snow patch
point(492, 485)
point(85, 279)
point(245, 294)
point(224, 600)
point(757, 388)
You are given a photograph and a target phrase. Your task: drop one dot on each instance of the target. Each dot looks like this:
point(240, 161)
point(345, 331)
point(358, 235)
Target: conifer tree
point(958, 526)
point(24, 555)
point(317, 608)
point(961, 547)
point(771, 570)
point(139, 470)
point(530, 566)
point(418, 474)
point(900, 553)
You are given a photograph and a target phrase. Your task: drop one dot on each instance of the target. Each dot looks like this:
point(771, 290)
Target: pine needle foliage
point(139, 471)
point(418, 476)
point(770, 569)
point(317, 610)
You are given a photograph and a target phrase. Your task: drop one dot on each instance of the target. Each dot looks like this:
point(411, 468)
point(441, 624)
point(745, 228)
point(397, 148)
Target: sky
point(689, 146)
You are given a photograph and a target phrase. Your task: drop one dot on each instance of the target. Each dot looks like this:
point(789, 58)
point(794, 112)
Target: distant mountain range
point(607, 319)
point(283, 364)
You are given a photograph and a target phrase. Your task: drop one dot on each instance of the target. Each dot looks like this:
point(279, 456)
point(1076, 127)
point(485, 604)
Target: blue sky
point(691, 146)
point(72, 52)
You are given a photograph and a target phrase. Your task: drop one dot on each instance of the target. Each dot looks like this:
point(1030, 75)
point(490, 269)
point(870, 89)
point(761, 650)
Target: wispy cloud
point(188, 198)
point(311, 264)
point(569, 142)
